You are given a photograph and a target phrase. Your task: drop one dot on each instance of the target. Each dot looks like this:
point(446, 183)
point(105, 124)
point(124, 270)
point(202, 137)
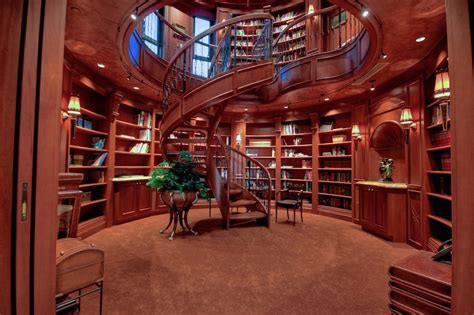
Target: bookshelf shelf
point(439, 148)
point(131, 139)
point(261, 136)
point(296, 180)
point(93, 202)
point(91, 131)
point(335, 195)
point(335, 156)
point(439, 172)
point(335, 131)
point(259, 147)
point(334, 182)
point(440, 220)
point(92, 114)
point(344, 169)
point(124, 123)
point(296, 157)
point(132, 153)
point(438, 125)
point(89, 185)
point(439, 196)
point(297, 134)
point(332, 144)
point(297, 146)
point(86, 167)
point(81, 148)
point(131, 167)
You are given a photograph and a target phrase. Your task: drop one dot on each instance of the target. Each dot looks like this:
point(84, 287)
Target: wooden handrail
point(219, 48)
point(301, 18)
point(213, 29)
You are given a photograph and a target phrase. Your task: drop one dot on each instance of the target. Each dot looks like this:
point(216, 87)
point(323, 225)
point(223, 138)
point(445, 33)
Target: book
point(99, 161)
point(327, 126)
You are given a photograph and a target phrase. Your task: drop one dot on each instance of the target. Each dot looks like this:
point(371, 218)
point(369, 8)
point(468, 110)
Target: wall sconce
point(73, 110)
point(238, 140)
point(356, 132)
point(442, 92)
point(406, 120)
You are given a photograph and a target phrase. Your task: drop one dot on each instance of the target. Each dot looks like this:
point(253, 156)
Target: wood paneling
point(414, 219)
point(415, 101)
point(460, 14)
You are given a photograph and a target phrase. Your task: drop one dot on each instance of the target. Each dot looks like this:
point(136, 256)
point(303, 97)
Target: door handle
point(24, 202)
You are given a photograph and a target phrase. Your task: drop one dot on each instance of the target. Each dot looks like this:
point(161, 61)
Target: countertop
point(130, 178)
point(391, 185)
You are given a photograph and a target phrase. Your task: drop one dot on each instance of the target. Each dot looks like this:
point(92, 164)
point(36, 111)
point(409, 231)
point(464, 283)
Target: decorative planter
point(179, 205)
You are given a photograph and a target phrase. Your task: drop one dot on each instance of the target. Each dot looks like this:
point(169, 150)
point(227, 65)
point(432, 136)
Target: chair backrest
point(286, 194)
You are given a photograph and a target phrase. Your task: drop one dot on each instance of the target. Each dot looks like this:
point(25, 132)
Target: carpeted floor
point(323, 266)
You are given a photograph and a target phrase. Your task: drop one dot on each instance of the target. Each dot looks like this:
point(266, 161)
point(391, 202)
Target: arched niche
point(387, 136)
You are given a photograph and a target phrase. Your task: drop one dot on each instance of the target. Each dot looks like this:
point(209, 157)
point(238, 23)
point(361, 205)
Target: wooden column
point(315, 163)
point(459, 13)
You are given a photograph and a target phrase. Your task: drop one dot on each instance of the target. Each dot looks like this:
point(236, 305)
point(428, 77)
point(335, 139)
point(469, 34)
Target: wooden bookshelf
point(133, 141)
point(335, 187)
point(438, 198)
point(88, 143)
point(296, 158)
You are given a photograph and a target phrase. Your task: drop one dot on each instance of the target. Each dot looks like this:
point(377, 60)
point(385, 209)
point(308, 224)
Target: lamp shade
point(238, 138)
point(406, 118)
point(74, 106)
point(442, 85)
point(355, 130)
point(311, 9)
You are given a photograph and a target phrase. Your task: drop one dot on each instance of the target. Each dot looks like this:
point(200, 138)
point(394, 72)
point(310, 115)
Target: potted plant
point(178, 182)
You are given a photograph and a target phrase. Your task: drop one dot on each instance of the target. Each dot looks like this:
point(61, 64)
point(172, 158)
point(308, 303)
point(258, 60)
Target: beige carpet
point(323, 266)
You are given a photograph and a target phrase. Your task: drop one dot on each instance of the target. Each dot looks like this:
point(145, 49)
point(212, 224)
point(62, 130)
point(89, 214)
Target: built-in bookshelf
point(260, 144)
point(296, 157)
point(133, 141)
point(157, 156)
point(438, 169)
point(335, 188)
point(88, 152)
point(292, 45)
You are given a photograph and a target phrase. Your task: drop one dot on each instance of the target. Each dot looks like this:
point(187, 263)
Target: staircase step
point(253, 215)
point(242, 203)
point(233, 192)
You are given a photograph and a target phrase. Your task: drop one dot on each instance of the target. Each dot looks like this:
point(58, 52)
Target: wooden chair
point(287, 202)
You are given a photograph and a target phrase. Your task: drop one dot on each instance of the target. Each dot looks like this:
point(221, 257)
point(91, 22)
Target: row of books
point(336, 151)
point(440, 138)
point(290, 128)
point(78, 160)
point(144, 119)
point(445, 161)
point(335, 176)
point(335, 202)
point(141, 147)
point(336, 189)
point(345, 163)
point(294, 35)
point(84, 122)
point(437, 115)
point(296, 186)
point(296, 141)
point(301, 43)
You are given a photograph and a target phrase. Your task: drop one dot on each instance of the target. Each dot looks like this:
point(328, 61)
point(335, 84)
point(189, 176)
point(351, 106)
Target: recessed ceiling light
point(134, 14)
point(365, 12)
point(420, 39)
point(136, 88)
point(100, 65)
point(383, 55)
point(246, 109)
point(372, 86)
point(326, 99)
point(285, 107)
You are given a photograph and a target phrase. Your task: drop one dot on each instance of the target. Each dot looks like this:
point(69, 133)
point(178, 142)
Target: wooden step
point(253, 215)
point(233, 192)
point(242, 203)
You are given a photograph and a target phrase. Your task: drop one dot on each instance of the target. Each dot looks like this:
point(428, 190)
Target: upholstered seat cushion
point(287, 203)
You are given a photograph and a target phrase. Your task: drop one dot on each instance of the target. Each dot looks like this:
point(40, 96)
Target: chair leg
point(301, 211)
point(287, 214)
point(294, 216)
point(276, 214)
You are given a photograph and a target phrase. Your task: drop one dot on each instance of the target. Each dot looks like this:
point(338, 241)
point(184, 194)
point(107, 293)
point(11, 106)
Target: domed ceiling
point(92, 28)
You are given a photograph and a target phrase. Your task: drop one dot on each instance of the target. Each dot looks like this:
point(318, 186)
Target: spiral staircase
point(199, 79)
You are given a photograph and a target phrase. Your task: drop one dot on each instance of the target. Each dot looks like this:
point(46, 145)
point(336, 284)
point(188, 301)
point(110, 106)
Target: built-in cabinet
point(132, 200)
point(383, 211)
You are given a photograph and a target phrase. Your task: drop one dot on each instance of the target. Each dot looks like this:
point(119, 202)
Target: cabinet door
point(365, 205)
point(379, 210)
point(414, 218)
point(125, 204)
point(143, 194)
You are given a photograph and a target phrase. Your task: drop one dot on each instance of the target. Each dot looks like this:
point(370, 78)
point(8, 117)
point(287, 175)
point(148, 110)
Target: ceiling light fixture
point(326, 99)
point(134, 14)
point(129, 77)
point(420, 39)
point(364, 12)
point(383, 54)
point(246, 109)
point(136, 88)
point(372, 86)
point(285, 107)
point(100, 65)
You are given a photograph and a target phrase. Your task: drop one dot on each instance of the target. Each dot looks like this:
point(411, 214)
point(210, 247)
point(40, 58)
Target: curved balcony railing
point(242, 40)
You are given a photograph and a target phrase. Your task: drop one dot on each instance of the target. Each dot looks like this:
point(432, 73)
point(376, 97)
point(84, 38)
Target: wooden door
point(143, 201)
point(125, 202)
point(31, 61)
point(365, 205)
point(379, 210)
